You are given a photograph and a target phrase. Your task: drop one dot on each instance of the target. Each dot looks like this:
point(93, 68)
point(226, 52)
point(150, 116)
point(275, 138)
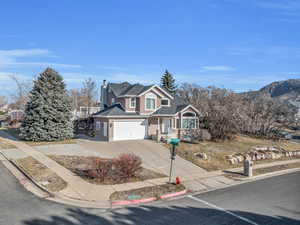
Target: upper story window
point(132, 102)
point(150, 101)
point(165, 102)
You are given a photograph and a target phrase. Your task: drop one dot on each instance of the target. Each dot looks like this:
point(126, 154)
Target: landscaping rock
point(202, 155)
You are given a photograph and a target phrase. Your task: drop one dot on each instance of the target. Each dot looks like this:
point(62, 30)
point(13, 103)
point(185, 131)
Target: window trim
point(98, 125)
point(165, 99)
point(130, 102)
point(195, 118)
point(190, 118)
point(151, 96)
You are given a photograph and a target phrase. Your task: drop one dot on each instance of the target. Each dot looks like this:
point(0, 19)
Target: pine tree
point(168, 82)
point(48, 111)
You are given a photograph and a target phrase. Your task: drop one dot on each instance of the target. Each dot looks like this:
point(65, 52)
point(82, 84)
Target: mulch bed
point(79, 165)
point(147, 192)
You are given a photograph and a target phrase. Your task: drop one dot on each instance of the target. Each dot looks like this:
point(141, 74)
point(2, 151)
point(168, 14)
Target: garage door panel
point(129, 130)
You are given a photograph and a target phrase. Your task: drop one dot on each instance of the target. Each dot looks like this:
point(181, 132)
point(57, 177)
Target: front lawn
point(41, 174)
point(217, 151)
point(15, 132)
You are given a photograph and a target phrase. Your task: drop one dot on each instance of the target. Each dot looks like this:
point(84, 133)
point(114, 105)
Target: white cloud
point(10, 58)
point(24, 52)
point(111, 77)
point(260, 51)
point(218, 68)
point(284, 5)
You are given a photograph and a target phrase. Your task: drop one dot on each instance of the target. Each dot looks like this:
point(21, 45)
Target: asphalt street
point(270, 201)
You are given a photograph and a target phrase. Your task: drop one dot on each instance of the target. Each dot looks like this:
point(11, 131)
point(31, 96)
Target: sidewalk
point(79, 189)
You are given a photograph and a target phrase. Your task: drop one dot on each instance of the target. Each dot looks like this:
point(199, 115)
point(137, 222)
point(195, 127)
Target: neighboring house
point(135, 111)
point(84, 112)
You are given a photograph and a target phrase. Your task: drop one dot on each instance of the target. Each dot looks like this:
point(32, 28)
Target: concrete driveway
point(155, 156)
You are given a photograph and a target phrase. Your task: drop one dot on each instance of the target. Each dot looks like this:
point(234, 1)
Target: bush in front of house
point(128, 166)
point(120, 169)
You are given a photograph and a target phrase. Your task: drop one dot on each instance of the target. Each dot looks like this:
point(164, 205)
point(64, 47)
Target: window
point(132, 102)
point(189, 123)
point(98, 125)
point(150, 103)
point(112, 100)
point(165, 102)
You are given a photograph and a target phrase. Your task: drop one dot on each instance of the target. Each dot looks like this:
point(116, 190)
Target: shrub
point(128, 166)
point(123, 168)
point(101, 169)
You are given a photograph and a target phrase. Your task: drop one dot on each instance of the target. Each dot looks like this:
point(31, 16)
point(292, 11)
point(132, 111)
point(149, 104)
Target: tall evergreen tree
point(168, 82)
point(48, 112)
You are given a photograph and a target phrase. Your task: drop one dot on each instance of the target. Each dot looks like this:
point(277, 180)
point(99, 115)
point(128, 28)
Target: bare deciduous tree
point(3, 101)
point(89, 93)
point(225, 113)
point(21, 96)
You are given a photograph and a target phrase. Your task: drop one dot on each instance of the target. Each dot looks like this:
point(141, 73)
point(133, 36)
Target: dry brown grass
point(41, 173)
point(217, 151)
point(147, 192)
point(15, 133)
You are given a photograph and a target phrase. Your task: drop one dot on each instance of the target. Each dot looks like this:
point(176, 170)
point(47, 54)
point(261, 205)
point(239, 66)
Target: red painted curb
point(128, 202)
point(173, 194)
point(137, 201)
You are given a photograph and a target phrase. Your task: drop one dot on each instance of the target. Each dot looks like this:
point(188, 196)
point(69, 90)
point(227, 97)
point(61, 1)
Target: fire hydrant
point(178, 181)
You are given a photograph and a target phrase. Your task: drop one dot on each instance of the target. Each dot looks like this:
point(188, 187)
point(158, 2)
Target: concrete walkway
point(77, 188)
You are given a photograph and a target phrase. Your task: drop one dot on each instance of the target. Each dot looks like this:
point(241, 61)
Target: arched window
point(190, 120)
point(189, 114)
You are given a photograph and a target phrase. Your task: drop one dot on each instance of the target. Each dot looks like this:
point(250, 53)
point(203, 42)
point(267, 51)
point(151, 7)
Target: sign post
point(174, 142)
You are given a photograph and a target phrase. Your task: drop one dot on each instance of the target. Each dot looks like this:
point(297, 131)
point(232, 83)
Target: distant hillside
point(284, 91)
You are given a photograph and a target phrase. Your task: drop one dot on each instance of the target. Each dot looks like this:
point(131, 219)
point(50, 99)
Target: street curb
point(271, 174)
point(25, 180)
point(131, 202)
point(248, 180)
point(175, 194)
point(63, 199)
point(138, 201)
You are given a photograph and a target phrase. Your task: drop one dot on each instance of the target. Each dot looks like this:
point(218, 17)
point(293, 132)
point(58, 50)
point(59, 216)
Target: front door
point(166, 126)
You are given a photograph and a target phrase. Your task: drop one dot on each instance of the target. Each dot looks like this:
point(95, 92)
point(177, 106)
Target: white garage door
point(129, 130)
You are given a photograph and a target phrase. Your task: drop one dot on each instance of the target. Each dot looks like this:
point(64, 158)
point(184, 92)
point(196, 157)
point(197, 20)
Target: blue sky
point(236, 44)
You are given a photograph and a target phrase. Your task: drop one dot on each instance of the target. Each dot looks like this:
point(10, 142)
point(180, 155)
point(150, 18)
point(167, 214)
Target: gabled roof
point(172, 110)
point(135, 89)
point(118, 88)
point(114, 110)
point(169, 110)
point(162, 89)
point(127, 89)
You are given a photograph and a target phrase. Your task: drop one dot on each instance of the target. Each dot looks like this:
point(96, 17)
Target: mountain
point(284, 91)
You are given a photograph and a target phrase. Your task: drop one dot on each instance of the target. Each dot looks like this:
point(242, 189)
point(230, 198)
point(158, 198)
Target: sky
point(237, 44)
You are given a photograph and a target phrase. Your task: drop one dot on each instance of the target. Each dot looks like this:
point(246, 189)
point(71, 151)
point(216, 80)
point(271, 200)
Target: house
point(84, 112)
point(135, 111)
